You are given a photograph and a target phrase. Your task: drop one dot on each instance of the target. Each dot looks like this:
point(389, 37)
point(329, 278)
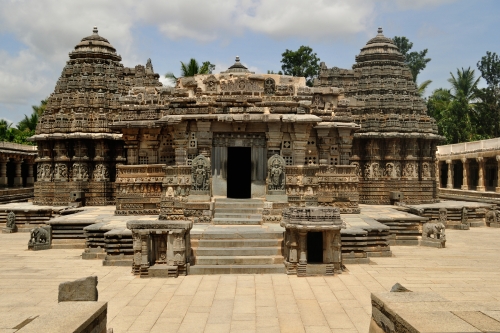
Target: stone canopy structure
point(354, 137)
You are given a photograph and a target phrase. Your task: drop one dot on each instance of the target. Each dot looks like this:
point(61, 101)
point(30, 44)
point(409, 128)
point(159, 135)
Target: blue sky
point(36, 36)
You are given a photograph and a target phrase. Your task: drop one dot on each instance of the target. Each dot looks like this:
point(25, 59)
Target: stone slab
point(84, 289)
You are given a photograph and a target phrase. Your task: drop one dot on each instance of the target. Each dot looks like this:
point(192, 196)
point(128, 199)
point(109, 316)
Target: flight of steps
point(237, 250)
point(238, 211)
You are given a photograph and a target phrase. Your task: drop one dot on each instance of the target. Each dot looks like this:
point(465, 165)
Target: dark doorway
point(239, 172)
point(315, 247)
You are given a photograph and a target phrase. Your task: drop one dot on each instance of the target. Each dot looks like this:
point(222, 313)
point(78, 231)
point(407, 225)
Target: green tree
point(192, 68)
point(488, 99)
point(302, 62)
point(39, 109)
point(417, 61)
point(454, 109)
point(421, 88)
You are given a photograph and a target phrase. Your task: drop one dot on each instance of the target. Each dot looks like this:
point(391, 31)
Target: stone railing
point(17, 146)
point(466, 147)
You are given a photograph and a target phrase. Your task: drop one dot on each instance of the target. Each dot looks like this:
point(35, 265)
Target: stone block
point(431, 242)
point(84, 289)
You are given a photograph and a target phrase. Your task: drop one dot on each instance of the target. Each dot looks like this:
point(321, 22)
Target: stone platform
point(476, 212)
point(29, 216)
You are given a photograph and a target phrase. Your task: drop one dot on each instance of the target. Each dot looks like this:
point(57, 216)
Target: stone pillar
point(345, 145)
point(438, 173)
point(465, 180)
point(204, 136)
point(480, 182)
point(180, 143)
point(449, 182)
point(18, 179)
point(303, 247)
point(3, 172)
point(30, 180)
point(497, 189)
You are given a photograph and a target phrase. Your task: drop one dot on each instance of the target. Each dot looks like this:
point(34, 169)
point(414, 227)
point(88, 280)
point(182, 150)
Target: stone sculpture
point(492, 217)
point(276, 175)
point(433, 235)
point(40, 238)
point(200, 173)
point(81, 290)
point(443, 216)
point(10, 224)
point(464, 219)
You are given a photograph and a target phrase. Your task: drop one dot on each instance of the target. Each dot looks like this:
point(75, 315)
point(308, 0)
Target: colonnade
point(485, 179)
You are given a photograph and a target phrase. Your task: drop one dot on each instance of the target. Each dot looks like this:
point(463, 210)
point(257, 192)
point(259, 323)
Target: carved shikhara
point(121, 137)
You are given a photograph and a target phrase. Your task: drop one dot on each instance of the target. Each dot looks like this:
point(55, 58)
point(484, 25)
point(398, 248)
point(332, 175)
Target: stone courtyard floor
point(467, 270)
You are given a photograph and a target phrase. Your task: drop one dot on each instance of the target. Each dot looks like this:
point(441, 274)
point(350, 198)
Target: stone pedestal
point(161, 248)
point(326, 223)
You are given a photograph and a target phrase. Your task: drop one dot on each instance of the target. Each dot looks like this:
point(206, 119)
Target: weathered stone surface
point(84, 289)
point(398, 288)
point(41, 238)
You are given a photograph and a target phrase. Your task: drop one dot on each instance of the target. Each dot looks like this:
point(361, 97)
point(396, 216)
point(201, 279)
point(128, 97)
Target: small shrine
point(312, 240)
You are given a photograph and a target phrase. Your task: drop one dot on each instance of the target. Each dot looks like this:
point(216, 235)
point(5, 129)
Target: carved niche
point(276, 175)
point(200, 175)
point(44, 172)
point(61, 172)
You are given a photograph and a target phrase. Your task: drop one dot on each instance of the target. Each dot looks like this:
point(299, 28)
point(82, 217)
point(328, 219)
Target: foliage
point(417, 61)
point(422, 87)
point(302, 62)
point(488, 99)
point(454, 109)
point(272, 72)
point(192, 68)
point(25, 128)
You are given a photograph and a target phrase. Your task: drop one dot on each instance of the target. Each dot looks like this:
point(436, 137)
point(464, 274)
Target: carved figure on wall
point(61, 171)
point(170, 192)
point(367, 171)
point(426, 171)
point(434, 229)
point(376, 171)
point(269, 86)
point(11, 220)
point(357, 170)
point(408, 170)
point(80, 171)
point(200, 173)
point(276, 174)
point(389, 170)
point(100, 172)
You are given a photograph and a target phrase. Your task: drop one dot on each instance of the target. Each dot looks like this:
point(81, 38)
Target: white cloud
point(415, 4)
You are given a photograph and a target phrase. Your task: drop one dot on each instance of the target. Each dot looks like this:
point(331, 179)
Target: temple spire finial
point(95, 30)
point(380, 31)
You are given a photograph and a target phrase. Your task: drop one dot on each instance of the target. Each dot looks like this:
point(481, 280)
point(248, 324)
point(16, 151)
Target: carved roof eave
point(76, 135)
point(286, 118)
point(134, 123)
point(385, 135)
point(330, 124)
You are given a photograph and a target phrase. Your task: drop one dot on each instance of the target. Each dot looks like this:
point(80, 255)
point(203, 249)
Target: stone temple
point(116, 135)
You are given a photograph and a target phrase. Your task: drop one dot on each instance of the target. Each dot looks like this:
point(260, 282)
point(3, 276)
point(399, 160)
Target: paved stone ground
point(467, 270)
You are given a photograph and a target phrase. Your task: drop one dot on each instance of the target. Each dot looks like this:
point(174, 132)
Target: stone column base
point(497, 189)
point(4, 181)
point(480, 188)
point(18, 181)
point(465, 187)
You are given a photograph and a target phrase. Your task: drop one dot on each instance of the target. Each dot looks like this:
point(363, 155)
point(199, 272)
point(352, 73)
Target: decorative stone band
point(304, 217)
point(153, 225)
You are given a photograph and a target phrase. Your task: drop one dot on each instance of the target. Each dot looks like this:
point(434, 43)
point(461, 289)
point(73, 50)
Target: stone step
point(238, 211)
point(237, 215)
point(237, 251)
point(206, 243)
point(233, 221)
point(237, 234)
point(239, 260)
point(238, 205)
point(238, 200)
point(237, 269)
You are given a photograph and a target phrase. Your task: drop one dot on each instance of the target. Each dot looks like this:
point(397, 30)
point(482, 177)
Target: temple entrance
point(315, 247)
point(239, 172)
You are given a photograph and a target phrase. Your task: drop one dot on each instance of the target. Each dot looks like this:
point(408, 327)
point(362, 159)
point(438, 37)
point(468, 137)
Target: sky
point(37, 35)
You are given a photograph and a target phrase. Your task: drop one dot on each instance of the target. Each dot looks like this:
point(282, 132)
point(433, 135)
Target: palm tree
point(39, 109)
point(5, 129)
point(463, 86)
point(422, 87)
point(28, 124)
point(192, 68)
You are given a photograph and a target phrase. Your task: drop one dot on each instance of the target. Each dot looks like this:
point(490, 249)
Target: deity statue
point(11, 220)
point(200, 174)
point(276, 173)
